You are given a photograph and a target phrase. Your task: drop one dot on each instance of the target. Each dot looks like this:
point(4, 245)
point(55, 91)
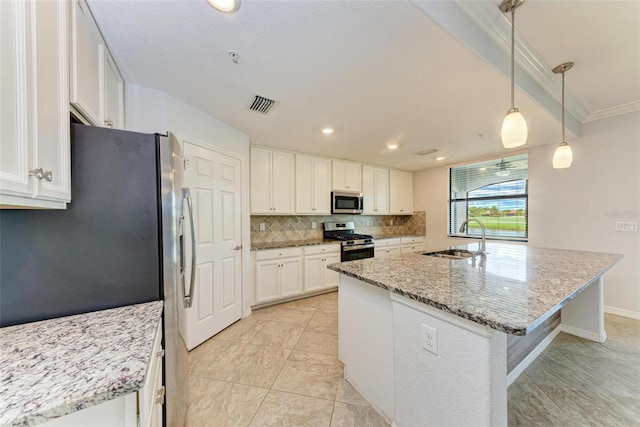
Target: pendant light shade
point(563, 156)
point(514, 127)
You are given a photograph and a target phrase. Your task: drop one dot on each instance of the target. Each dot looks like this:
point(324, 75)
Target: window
point(494, 192)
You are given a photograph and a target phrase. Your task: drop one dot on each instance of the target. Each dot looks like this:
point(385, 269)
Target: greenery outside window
point(494, 192)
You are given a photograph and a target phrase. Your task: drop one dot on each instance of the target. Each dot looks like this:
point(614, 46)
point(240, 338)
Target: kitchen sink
point(451, 254)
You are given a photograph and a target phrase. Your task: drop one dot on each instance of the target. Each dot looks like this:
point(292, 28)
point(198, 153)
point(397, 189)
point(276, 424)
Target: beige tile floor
point(279, 367)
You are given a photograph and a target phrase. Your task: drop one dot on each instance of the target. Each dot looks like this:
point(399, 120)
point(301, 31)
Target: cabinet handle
point(108, 122)
point(160, 396)
point(40, 174)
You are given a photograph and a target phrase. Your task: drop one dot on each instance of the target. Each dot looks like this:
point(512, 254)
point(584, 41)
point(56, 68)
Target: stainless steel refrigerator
point(119, 242)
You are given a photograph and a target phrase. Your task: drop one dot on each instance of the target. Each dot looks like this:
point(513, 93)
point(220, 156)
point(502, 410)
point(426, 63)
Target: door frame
point(245, 220)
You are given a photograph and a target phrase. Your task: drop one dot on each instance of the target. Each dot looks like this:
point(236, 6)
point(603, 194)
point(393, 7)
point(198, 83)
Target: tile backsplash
point(298, 227)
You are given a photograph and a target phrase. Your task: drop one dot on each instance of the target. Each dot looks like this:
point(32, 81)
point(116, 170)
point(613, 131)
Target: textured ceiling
point(376, 71)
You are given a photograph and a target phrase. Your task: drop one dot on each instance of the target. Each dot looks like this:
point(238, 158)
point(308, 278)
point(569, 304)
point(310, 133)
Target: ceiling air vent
point(427, 151)
point(261, 105)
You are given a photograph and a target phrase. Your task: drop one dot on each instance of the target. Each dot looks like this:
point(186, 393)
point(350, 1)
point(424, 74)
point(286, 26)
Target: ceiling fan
point(503, 168)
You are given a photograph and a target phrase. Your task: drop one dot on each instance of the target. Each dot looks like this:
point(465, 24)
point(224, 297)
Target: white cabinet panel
point(291, 277)
point(375, 190)
point(271, 181)
point(35, 121)
point(400, 192)
point(267, 280)
point(87, 81)
point(113, 93)
point(347, 176)
point(313, 266)
point(313, 185)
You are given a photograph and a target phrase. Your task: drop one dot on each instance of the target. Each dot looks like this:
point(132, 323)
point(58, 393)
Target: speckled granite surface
point(55, 367)
point(519, 287)
point(291, 244)
point(311, 242)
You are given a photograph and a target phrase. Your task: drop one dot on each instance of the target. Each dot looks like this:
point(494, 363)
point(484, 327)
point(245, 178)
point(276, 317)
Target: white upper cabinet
point(113, 93)
point(272, 182)
point(347, 176)
point(97, 88)
point(400, 192)
point(34, 124)
point(313, 185)
point(375, 190)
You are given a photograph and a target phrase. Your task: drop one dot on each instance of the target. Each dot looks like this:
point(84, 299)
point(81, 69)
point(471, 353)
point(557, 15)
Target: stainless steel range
point(353, 246)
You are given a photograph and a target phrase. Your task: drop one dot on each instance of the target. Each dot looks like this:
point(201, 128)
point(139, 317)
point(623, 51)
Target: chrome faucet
point(482, 248)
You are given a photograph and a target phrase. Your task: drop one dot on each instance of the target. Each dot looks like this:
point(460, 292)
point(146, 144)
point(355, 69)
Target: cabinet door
point(338, 176)
point(407, 249)
point(353, 176)
point(381, 190)
point(304, 184)
point(368, 190)
point(261, 181)
point(313, 269)
point(400, 192)
point(290, 277)
point(282, 176)
point(330, 277)
point(87, 84)
point(384, 252)
point(114, 93)
point(267, 280)
point(14, 140)
point(51, 146)
point(321, 186)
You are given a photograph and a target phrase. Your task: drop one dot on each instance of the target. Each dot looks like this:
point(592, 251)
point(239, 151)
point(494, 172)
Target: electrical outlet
point(626, 226)
point(313, 225)
point(430, 339)
point(391, 222)
point(263, 226)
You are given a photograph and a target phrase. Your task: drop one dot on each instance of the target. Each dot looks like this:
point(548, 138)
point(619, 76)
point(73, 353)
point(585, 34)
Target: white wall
point(150, 110)
point(573, 208)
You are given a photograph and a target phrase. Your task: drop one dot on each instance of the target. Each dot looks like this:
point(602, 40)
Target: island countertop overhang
point(518, 288)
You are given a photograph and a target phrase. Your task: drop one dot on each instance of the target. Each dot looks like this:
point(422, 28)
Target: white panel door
point(381, 179)
point(304, 184)
point(214, 181)
point(330, 277)
point(321, 186)
point(290, 277)
point(267, 280)
point(283, 186)
point(261, 181)
point(313, 266)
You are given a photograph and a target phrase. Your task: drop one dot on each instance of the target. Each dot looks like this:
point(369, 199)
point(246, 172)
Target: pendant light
point(514, 128)
point(563, 156)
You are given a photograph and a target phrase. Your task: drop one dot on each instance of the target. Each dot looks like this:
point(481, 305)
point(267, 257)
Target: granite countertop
point(518, 288)
point(311, 242)
point(55, 367)
point(292, 244)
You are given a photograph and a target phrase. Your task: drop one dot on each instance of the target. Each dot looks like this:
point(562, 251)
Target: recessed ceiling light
point(482, 169)
point(392, 146)
point(440, 158)
point(327, 131)
point(226, 6)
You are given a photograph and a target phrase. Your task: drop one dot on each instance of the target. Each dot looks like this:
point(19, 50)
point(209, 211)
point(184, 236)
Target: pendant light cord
point(563, 139)
point(513, 36)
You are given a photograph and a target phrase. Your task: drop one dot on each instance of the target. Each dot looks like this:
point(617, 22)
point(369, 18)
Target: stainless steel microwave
point(346, 202)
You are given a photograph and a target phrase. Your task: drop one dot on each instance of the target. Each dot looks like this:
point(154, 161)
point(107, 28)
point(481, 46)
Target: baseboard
point(602, 337)
point(515, 372)
point(357, 388)
point(622, 312)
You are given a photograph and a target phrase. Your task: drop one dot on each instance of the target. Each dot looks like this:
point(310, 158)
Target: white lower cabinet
point(142, 408)
point(316, 274)
point(386, 247)
point(411, 244)
point(278, 274)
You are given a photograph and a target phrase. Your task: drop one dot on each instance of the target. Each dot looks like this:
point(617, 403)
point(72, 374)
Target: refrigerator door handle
point(188, 299)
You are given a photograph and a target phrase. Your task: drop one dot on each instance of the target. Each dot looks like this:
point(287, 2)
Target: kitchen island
point(423, 339)
point(57, 367)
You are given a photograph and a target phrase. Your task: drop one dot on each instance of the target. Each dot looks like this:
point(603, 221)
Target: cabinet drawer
point(411, 240)
point(278, 253)
point(321, 249)
point(149, 391)
point(386, 242)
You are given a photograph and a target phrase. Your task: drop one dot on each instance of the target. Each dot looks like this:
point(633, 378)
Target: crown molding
point(485, 30)
point(629, 107)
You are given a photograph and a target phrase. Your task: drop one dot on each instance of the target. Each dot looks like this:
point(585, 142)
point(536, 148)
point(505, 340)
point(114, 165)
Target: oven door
point(351, 253)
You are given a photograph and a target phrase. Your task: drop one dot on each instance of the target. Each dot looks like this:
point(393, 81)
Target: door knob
point(237, 247)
